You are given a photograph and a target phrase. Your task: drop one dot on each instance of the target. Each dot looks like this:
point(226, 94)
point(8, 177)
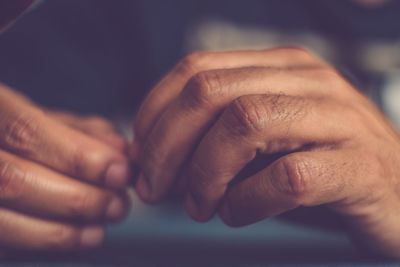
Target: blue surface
point(165, 236)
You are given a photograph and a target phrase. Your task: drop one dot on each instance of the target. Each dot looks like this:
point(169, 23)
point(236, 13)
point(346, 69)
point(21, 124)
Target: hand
point(254, 134)
point(61, 177)
point(94, 126)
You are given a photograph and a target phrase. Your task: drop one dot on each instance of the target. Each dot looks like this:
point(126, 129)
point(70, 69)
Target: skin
point(310, 138)
point(62, 177)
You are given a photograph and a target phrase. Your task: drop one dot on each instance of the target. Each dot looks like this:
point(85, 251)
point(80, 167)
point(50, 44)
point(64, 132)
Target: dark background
point(102, 56)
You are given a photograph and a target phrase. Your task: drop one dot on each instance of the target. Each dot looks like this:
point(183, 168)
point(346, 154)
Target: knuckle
point(203, 88)
point(22, 134)
point(299, 56)
point(12, 181)
point(245, 114)
point(333, 81)
point(293, 178)
point(254, 113)
point(193, 63)
point(298, 52)
point(63, 238)
point(331, 76)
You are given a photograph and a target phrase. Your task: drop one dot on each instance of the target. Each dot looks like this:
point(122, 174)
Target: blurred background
point(103, 56)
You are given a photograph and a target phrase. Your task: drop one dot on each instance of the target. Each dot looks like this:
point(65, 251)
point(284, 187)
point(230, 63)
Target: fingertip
point(117, 175)
point(191, 207)
point(194, 210)
point(225, 214)
point(115, 209)
point(91, 237)
point(143, 188)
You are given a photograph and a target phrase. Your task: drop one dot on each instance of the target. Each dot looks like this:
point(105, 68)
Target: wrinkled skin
point(315, 138)
point(62, 177)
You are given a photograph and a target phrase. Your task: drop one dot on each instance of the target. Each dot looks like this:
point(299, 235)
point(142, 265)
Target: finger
point(28, 233)
point(95, 126)
point(115, 141)
point(30, 188)
point(252, 126)
point(180, 128)
point(299, 179)
point(27, 131)
point(170, 87)
point(84, 123)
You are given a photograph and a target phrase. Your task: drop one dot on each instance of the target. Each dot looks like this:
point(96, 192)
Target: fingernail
point(143, 187)
point(117, 175)
point(92, 236)
point(225, 213)
point(191, 206)
point(115, 209)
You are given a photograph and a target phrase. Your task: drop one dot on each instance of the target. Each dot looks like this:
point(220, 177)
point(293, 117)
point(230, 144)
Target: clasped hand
point(315, 140)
